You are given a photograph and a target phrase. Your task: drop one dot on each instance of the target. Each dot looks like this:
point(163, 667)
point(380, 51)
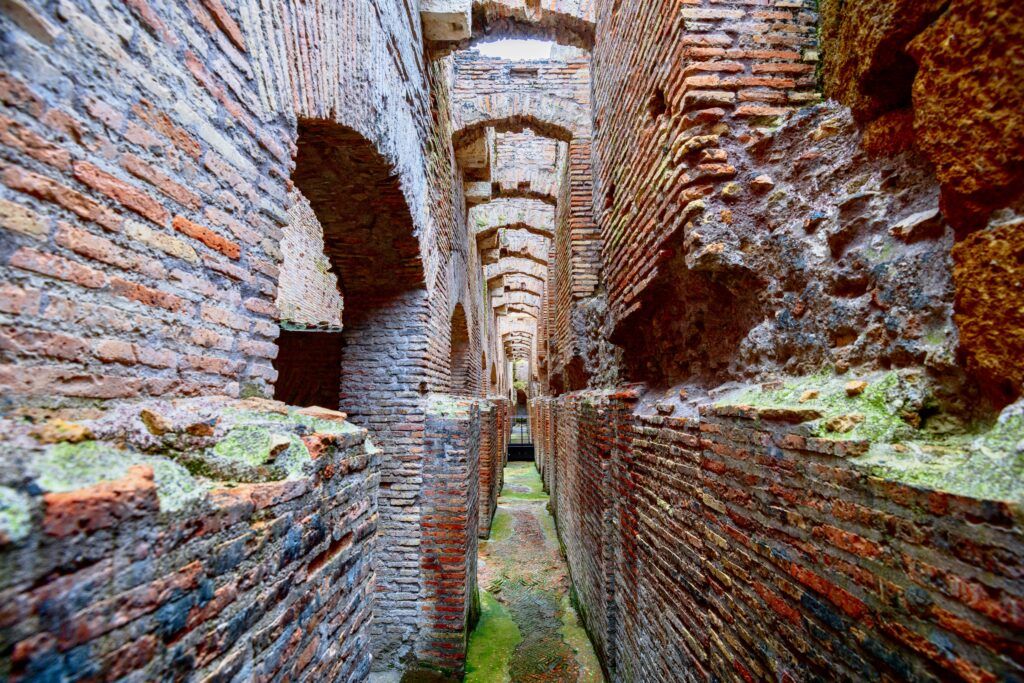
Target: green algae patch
point(522, 482)
point(249, 444)
point(15, 514)
point(70, 467)
point(253, 453)
point(501, 526)
point(884, 405)
point(986, 466)
point(175, 487)
point(491, 643)
point(575, 636)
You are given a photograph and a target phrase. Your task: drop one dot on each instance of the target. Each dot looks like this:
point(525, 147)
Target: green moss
point(522, 482)
point(15, 514)
point(501, 525)
point(880, 404)
point(988, 466)
point(253, 390)
point(575, 636)
point(268, 453)
point(69, 467)
point(492, 643)
point(248, 444)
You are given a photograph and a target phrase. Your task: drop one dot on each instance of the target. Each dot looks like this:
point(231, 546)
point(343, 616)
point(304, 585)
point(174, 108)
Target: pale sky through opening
point(519, 50)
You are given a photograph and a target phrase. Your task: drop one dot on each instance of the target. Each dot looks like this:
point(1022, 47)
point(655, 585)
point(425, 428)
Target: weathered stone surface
point(969, 105)
point(989, 278)
point(865, 63)
point(952, 68)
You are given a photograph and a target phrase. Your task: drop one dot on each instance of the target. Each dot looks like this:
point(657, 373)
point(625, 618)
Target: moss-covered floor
point(528, 629)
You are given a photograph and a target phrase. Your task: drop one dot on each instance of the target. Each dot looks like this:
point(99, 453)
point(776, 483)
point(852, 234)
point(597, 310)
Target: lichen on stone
point(70, 467)
point(15, 514)
point(882, 405)
point(253, 453)
point(987, 465)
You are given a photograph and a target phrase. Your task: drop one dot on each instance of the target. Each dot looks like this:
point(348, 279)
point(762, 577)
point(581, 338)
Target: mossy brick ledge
point(133, 542)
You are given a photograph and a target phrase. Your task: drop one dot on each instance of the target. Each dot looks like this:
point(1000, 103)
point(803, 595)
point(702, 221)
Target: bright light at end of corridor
point(519, 50)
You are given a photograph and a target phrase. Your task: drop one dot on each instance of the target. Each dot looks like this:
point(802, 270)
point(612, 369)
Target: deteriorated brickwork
point(667, 140)
point(733, 547)
point(163, 163)
point(770, 345)
point(147, 572)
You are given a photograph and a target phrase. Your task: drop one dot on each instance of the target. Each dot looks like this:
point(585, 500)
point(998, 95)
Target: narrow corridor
point(528, 628)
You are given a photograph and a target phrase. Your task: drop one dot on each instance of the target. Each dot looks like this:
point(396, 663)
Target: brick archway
point(555, 117)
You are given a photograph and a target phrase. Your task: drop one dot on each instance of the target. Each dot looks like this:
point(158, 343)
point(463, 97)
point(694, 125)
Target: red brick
point(262, 307)
point(101, 249)
point(49, 190)
point(208, 237)
point(49, 381)
point(258, 349)
point(214, 365)
point(57, 267)
point(102, 505)
point(161, 181)
point(163, 124)
point(17, 136)
point(18, 301)
point(226, 318)
point(147, 295)
point(16, 94)
point(121, 192)
point(225, 22)
point(22, 341)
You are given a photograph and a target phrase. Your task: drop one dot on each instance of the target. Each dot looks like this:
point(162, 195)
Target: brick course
point(737, 548)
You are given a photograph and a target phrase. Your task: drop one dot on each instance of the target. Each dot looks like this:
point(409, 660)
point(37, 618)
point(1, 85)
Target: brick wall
point(741, 550)
point(575, 270)
point(153, 186)
point(493, 455)
point(114, 579)
point(450, 524)
point(308, 292)
point(722, 70)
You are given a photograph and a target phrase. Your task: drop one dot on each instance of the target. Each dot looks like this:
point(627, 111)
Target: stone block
point(446, 20)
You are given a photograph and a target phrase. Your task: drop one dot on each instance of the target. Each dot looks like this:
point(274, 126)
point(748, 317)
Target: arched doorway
point(461, 365)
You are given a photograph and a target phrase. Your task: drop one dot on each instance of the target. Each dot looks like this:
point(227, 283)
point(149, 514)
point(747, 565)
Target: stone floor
point(528, 630)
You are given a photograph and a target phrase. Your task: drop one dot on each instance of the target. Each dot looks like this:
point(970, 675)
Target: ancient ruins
point(283, 284)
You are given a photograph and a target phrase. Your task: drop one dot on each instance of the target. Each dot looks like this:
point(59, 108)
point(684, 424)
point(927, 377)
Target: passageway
point(528, 628)
point(421, 341)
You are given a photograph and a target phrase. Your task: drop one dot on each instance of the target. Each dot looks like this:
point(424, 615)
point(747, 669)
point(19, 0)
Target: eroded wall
point(733, 546)
point(149, 161)
point(170, 540)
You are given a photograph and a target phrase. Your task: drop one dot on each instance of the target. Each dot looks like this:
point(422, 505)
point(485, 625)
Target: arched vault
point(545, 114)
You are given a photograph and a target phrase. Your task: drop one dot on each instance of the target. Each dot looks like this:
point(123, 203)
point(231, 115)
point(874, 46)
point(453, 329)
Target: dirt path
point(528, 630)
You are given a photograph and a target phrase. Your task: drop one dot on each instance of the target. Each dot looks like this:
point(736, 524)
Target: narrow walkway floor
point(528, 629)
